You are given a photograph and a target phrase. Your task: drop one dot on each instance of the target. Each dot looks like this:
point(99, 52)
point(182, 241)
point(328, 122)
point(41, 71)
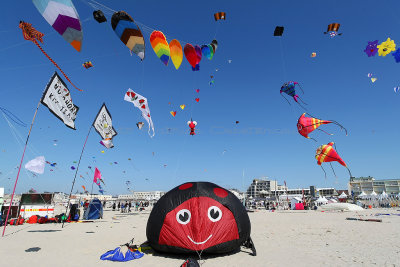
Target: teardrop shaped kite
point(305, 125)
point(206, 51)
point(214, 45)
point(190, 54)
point(326, 153)
point(129, 32)
point(160, 46)
point(62, 16)
point(198, 57)
point(176, 53)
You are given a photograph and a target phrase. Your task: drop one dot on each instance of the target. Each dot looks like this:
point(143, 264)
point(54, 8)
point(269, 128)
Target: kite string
point(13, 117)
point(20, 164)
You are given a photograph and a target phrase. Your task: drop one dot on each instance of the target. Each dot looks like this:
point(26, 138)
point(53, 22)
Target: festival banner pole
point(19, 169)
point(76, 172)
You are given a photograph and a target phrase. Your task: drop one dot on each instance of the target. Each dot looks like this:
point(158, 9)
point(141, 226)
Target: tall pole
point(76, 172)
point(19, 169)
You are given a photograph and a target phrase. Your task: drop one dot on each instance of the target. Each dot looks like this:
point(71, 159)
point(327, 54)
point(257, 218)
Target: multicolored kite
point(176, 53)
point(87, 64)
point(326, 153)
point(219, 15)
point(129, 33)
point(289, 88)
point(63, 17)
point(333, 29)
point(305, 125)
point(160, 46)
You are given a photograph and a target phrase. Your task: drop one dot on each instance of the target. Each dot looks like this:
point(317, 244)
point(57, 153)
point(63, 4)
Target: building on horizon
point(261, 186)
point(149, 195)
point(369, 185)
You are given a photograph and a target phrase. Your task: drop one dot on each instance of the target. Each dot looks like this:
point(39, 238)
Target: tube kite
point(31, 34)
point(305, 125)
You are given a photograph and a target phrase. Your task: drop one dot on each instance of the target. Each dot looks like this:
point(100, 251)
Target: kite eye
point(214, 213)
point(183, 216)
point(299, 127)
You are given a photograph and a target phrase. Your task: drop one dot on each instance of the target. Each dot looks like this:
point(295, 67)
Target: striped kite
point(160, 46)
point(326, 153)
point(62, 16)
point(129, 33)
point(31, 34)
point(305, 125)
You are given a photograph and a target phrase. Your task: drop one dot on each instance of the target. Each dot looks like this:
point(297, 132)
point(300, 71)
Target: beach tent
point(94, 210)
point(321, 201)
point(362, 195)
point(343, 195)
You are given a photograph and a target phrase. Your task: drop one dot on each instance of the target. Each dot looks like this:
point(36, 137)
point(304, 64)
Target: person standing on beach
point(119, 205)
point(129, 206)
point(114, 206)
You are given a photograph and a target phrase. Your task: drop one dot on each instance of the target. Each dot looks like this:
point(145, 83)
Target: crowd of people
point(126, 206)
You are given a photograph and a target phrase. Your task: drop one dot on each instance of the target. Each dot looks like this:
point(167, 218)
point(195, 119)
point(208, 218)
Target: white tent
point(321, 200)
point(362, 195)
point(373, 193)
point(343, 195)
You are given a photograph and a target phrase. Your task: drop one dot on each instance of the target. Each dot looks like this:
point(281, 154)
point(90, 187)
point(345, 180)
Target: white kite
point(141, 103)
point(36, 165)
point(103, 125)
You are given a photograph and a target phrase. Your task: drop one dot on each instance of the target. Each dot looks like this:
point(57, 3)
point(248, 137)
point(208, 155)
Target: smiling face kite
point(198, 216)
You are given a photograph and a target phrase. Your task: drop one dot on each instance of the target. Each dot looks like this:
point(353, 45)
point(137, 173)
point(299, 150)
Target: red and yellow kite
point(305, 125)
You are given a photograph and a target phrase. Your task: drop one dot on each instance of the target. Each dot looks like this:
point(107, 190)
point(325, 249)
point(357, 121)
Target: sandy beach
point(301, 238)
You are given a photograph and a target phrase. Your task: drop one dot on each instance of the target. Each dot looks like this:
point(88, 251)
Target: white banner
point(58, 99)
point(103, 123)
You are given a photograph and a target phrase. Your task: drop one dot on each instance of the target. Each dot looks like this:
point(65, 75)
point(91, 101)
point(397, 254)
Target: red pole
point(20, 164)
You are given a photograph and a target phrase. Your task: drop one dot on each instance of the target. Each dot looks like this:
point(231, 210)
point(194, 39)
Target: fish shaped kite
point(305, 125)
point(160, 46)
point(326, 153)
point(289, 88)
point(141, 103)
point(31, 34)
point(63, 17)
point(129, 32)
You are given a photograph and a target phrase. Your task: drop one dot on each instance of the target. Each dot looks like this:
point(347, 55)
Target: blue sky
point(264, 143)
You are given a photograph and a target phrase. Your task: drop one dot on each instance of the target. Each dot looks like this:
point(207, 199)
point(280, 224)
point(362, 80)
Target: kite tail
point(324, 131)
point(324, 171)
point(286, 99)
point(55, 64)
point(296, 98)
point(312, 139)
point(300, 88)
point(341, 126)
point(332, 169)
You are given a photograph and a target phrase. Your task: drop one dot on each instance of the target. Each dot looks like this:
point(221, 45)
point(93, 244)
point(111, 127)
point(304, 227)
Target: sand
point(282, 238)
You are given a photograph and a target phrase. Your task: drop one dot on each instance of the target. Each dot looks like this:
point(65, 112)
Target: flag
point(141, 103)
point(103, 125)
point(97, 175)
point(58, 99)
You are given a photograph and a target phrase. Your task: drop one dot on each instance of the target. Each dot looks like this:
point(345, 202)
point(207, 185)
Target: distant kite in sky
point(333, 29)
point(220, 15)
point(396, 55)
point(182, 107)
point(192, 125)
point(305, 125)
point(36, 165)
point(31, 34)
point(289, 89)
point(87, 65)
point(140, 125)
point(313, 54)
point(63, 17)
point(386, 47)
point(326, 153)
point(396, 89)
point(278, 31)
point(129, 32)
point(173, 113)
point(371, 48)
point(98, 15)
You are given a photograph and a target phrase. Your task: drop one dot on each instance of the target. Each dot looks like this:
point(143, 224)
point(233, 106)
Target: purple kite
point(371, 48)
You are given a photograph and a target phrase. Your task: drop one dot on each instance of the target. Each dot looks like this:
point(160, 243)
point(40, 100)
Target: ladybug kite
point(199, 217)
point(192, 125)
